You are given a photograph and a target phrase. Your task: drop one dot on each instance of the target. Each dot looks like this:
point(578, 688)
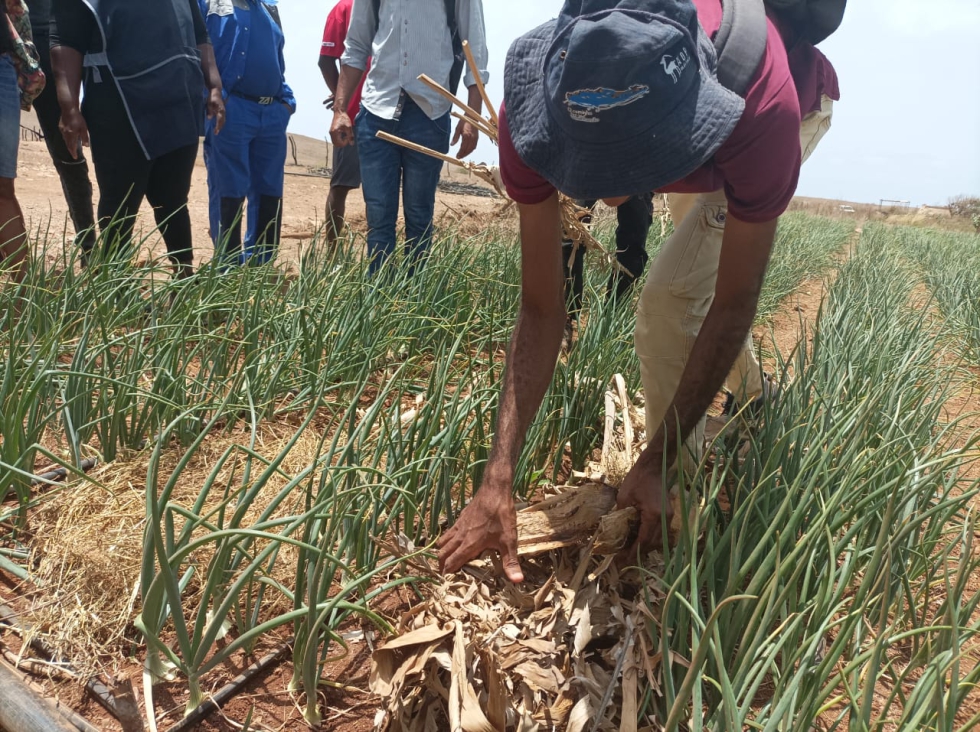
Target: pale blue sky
point(907, 126)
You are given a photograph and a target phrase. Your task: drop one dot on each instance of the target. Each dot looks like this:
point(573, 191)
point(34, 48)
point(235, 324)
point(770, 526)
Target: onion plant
point(834, 573)
point(398, 379)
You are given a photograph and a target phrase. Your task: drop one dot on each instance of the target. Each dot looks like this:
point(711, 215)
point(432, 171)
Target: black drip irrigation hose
point(57, 474)
point(230, 689)
point(122, 708)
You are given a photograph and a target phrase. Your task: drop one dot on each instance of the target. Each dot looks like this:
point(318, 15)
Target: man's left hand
point(216, 109)
point(468, 134)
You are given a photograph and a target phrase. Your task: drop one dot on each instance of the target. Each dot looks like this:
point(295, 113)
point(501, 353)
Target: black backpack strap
point(459, 58)
point(451, 17)
point(274, 13)
point(813, 20)
point(740, 42)
point(376, 4)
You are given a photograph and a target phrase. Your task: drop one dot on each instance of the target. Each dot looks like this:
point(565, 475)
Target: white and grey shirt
point(412, 38)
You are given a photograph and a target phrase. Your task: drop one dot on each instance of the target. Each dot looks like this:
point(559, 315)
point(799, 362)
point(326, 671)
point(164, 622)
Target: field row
point(839, 558)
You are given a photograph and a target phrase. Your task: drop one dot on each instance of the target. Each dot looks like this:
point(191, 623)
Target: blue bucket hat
point(617, 98)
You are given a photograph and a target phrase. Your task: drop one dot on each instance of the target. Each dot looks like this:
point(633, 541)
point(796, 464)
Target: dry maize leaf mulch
point(560, 651)
point(565, 649)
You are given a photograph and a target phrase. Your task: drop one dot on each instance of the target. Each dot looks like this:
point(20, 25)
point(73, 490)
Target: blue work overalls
point(246, 159)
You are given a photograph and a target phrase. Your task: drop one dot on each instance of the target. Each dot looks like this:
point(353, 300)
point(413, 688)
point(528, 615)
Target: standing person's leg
point(13, 237)
point(745, 378)
point(633, 218)
point(229, 176)
point(267, 161)
point(675, 300)
point(421, 177)
point(381, 176)
point(167, 189)
point(214, 203)
point(73, 171)
point(345, 177)
point(121, 170)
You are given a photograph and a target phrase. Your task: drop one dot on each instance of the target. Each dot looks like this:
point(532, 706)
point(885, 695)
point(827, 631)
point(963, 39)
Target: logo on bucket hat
point(584, 104)
point(674, 65)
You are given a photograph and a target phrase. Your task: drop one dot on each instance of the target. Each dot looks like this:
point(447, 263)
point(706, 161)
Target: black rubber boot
point(267, 230)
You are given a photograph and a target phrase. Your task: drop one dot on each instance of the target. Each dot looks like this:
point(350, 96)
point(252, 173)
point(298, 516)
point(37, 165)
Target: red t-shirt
point(334, 35)
point(758, 165)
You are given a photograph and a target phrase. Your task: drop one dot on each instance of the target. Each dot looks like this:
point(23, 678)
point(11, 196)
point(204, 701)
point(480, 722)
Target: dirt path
point(39, 192)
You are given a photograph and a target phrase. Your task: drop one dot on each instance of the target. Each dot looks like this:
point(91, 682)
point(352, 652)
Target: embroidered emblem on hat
point(583, 105)
point(674, 65)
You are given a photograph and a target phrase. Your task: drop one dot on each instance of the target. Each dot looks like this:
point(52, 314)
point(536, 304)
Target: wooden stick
point(419, 148)
point(470, 112)
point(479, 84)
point(484, 128)
point(480, 171)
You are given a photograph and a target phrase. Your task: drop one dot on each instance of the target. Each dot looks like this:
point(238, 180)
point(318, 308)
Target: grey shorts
point(9, 118)
point(346, 167)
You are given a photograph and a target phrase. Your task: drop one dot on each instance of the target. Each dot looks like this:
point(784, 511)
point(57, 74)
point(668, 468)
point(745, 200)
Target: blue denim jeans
point(9, 119)
point(385, 166)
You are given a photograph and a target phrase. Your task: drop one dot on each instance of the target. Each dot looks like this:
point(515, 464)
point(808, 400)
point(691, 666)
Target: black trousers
point(125, 177)
point(633, 219)
point(73, 172)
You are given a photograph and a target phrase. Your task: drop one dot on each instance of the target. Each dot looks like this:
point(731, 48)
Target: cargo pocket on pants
point(697, 268)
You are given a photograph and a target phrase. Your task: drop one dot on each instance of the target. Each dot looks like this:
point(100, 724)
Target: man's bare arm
point(212, 80)
point(342, 128)
point(66, 64)
point(328, 68)
point(489, 521)
point(536, 339)
point(741, 270)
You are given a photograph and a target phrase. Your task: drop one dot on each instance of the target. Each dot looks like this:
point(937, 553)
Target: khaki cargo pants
point(680, 288)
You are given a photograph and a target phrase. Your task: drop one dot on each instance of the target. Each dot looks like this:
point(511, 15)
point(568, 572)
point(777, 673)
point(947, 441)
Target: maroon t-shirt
point(759, 164)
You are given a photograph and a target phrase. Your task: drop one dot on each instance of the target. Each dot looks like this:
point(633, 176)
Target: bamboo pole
point(479, 84)
point(387, 137)
point(467, 109)
point(481, 127)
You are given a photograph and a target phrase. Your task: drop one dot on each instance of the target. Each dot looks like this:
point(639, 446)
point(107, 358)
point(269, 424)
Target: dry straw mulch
point(89, 543)
point(566, 649)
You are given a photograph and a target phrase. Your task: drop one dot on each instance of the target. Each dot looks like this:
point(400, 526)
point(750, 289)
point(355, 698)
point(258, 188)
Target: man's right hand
point(643, 489)
point(341, 131)
point(489, 522)
point(74, 129)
